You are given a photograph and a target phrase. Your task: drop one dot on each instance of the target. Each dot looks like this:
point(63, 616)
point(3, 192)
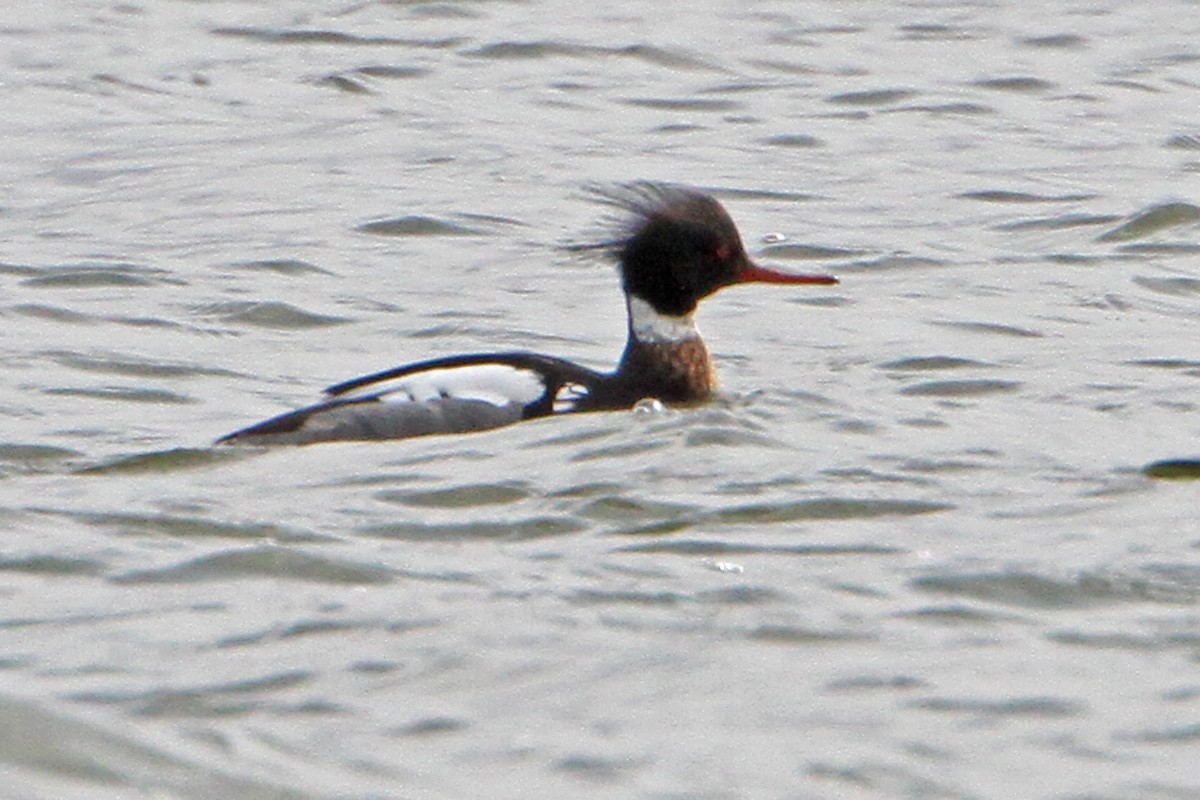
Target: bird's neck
point(665, 357)
point(650, 326)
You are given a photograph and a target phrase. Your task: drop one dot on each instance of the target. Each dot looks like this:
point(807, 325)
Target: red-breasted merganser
point(677, 247)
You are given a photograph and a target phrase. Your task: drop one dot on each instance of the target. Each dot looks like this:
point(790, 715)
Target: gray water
point(911, 552)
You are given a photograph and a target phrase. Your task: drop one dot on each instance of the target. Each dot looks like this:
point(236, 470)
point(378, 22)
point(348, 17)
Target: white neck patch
point(651, 327)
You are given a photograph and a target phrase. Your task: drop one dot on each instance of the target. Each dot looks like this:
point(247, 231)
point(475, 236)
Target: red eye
point(722, 252)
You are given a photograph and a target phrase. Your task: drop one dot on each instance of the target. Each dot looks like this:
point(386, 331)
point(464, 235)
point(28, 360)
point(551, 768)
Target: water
point(911, 552)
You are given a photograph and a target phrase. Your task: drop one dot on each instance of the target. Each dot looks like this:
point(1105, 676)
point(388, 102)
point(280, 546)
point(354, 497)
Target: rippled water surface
point(917, 549)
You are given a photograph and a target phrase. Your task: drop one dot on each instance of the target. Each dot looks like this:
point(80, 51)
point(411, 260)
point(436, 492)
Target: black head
point(680, 245)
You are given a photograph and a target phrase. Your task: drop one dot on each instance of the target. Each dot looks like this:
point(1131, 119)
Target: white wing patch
point(568, 397)
point(498, 384)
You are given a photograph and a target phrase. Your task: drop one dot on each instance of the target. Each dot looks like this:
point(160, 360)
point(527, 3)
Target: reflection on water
point(925, 545)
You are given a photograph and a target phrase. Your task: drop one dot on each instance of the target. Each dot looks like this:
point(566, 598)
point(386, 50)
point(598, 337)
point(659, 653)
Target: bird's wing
point(446, 395)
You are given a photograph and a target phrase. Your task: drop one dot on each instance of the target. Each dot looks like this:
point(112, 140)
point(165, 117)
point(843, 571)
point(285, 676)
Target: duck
point(674, 246)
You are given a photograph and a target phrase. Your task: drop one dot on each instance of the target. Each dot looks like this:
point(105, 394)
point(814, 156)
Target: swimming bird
point(675, 247)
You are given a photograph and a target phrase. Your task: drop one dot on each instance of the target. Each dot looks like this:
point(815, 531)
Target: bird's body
point(677, 247)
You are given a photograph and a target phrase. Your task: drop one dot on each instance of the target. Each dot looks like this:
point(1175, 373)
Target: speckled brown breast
point(678, 372)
